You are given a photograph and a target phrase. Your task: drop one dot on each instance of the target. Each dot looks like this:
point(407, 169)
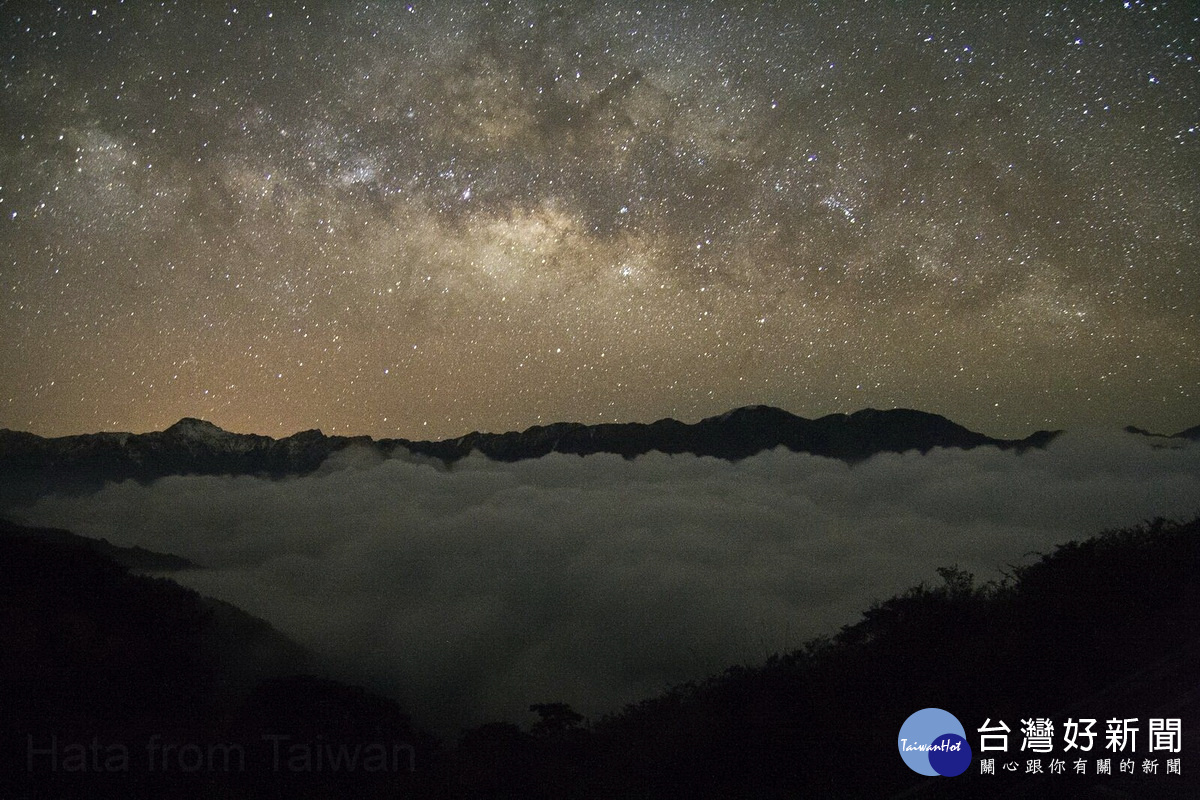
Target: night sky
point(423, 219)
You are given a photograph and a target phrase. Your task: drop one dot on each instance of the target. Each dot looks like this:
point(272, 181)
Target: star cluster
point(422, 219)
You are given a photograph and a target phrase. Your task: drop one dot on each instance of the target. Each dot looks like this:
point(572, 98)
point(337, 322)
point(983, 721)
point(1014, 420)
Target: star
point(433, 218)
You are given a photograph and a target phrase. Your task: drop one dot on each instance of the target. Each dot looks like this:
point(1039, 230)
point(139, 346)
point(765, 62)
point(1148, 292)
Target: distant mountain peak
point(196, 429)
point(752, 412)
point(204, 434)
point(893, 412)
point(1192, 433)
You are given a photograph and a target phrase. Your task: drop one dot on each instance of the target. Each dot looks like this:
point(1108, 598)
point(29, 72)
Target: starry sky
point(428, 218)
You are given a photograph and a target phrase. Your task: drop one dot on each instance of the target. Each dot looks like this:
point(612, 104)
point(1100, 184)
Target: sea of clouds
point(470, 592)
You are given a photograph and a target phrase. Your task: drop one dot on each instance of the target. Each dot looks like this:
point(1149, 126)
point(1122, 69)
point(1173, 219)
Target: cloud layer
point(471, 593)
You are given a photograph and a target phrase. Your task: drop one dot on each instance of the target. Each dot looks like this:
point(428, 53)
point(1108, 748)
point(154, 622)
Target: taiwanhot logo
point(933, 742)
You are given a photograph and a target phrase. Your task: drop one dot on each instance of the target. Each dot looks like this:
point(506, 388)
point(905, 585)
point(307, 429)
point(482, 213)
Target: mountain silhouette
point(1108, 626)
point(32, 464)
point(133, 558)
point(107, 676)
point(1191, 434)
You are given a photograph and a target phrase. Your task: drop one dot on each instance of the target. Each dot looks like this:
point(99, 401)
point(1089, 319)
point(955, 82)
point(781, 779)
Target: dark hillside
point(120, 685)
point(1106, 628)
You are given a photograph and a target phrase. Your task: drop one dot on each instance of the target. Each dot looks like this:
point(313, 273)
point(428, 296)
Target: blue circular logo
point(934, 742)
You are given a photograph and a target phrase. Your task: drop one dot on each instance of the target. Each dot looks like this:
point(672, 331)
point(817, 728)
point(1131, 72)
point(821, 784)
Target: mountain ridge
point(1191, 434)
point(31, 465)
point(134, 558)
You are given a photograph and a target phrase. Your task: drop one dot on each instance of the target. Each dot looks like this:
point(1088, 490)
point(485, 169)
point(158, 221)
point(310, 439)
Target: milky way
point(423, 219)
